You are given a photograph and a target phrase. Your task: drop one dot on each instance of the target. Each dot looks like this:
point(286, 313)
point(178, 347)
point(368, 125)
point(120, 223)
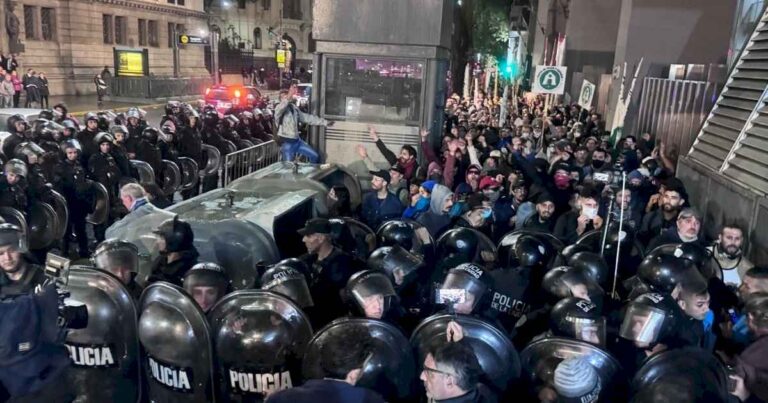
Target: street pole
point(214, 35)
point(175, 52)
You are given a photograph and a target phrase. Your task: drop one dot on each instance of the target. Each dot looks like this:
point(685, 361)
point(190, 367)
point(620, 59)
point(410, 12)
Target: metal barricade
point(249, 160)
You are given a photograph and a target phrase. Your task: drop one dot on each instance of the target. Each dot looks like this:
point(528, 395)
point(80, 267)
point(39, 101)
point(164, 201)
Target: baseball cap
point(398, 169)
point(488, 182)
point(381, 173)
point(495, 154)
point(316, 226)
point(544, 197)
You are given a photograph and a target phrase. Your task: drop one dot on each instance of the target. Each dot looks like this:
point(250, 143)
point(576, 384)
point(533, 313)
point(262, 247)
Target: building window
point(120, 31)
point(266, 4)
point(241, 4)
point(176, 2)
point(292, 9)
point(107, 29)
point(153, 33)
point(257, 38)
point(171, 34)
point(48, 23)
point(30, 23)
point(142, 32)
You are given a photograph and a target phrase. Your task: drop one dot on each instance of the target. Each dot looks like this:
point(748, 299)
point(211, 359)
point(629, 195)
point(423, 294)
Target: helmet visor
point(642, 324)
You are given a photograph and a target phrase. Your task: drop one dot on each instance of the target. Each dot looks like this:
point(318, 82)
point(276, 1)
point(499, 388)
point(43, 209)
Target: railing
point(249, 160)
point(157, 87)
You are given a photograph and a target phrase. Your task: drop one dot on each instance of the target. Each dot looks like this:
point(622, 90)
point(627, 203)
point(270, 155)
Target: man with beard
point(656, 222)
point(438, 218)
point(19, 276)
point(542, 221)
point(597, 164)
point(406, 160)
point(380, 204)
point(686, 230)
point(331, 269)
point(728, 254)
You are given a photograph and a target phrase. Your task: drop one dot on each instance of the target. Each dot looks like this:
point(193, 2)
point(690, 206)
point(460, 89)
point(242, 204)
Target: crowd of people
point(33, 84)
point(532, 224)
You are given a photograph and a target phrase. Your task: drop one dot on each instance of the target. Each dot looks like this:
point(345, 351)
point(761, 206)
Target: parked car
point(232, 98)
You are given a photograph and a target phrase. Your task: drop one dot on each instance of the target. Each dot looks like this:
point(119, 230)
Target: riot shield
point(259, 338)
point(144, 171)
point(493, 349)
point(540, 359)
point(626, 238)
point(42, 226)
point(105, 354)
point(353, 237)
point(189, 173)
point(213, 160)
point(171, 177)
point(506, 247)
point(684, 375)
point(12, 216)
point(59, 204)
point(228, 148)
point(390, 369)
point(100, 211)
point(176, 346)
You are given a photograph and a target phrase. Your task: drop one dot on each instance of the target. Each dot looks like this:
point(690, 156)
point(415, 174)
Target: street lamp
point(225, 4)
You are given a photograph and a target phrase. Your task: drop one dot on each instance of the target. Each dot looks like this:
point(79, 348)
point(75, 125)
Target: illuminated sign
point(280, 58)
point(192, 40)
point(131, 62)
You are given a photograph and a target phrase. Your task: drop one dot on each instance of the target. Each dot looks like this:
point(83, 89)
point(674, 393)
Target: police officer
point(167, 143)
point(177, 251)
point(578, 319)
point(135, 127)
point(103, 169)
point(119, 151)
point(172, 112)
point(148, 151)
point(122, 260)
point(332, 268)
point(371, 295)
point(17, 126)
point(211, 135)
point(207, 283)
point(19, 275)
point(86, 136)
point(37, 179)
point(13, 186)
point(191, 145)
point(70, 180)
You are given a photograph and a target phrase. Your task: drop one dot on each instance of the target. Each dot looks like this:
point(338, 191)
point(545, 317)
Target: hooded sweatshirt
point(435, 220)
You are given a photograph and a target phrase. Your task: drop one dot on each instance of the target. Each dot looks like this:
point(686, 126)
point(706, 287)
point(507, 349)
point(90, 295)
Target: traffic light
point(509, 69)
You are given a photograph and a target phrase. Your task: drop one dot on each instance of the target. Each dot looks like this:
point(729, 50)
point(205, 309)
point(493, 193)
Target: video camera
point(71, 316)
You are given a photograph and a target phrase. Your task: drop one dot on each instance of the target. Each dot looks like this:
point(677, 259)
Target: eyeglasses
point(437, 371)
point(473, 173)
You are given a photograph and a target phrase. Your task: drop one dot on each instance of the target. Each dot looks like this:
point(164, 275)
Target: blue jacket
point(325, 390)
point(375, 211)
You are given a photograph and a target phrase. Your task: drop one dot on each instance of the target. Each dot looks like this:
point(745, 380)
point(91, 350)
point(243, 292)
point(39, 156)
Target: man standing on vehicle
point(287, 118)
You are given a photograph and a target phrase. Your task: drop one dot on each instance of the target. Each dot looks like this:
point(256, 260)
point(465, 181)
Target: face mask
point(487, 214)
point(492, 195)
point(598, 163)
point(562, 181)
point(456, 209)
point(536, 134)
point(589, 212)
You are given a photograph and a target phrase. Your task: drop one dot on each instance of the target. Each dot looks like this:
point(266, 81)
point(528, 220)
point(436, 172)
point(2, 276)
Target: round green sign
point(550, 79)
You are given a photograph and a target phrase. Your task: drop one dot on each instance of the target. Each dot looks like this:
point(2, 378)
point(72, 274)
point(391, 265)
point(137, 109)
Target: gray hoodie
point(435, 220)
point(437, 201)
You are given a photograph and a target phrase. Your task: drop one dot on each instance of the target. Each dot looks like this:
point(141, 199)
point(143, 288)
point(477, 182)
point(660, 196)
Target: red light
point(237, 93)
point(207, 90)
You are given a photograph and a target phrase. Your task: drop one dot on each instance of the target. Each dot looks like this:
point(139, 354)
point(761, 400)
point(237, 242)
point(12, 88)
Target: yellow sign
point(280, 58)
point(184, 39)
point(130, 64)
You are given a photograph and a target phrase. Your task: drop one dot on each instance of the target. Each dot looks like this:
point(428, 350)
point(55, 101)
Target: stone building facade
point(72, 40)
point(255, 26)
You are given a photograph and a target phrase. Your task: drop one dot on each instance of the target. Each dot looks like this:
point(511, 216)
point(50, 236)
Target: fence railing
point(158, 87)
point(674, 110)
point(249, 160)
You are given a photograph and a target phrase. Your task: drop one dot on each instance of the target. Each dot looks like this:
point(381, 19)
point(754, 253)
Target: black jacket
point(329, 279)
point(174, 272)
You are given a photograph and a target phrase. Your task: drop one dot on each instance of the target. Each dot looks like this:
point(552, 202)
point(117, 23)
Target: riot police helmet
point(12, 236)
point(296, 264)
point(29, 152)
point(133, 113)
point(119, 129)
point(663, 272)
point(464, 288)
point(564, 281)
point(649, 319)
point(17, 118)
point(118, 257)
point(177, 234)
point(289, 282)
point(579, 319)
point(150, 135)
point(530, 251)
point(592, 264)
point(16, 167)
point(459, 243)
point(46, 114)
point(696, 253)
point(103, 137)
point(396, 232)
point(91, 116)
point(371, 292)
point(71, 144)
point(207, 283)
point(172, 107)
point(401, 265)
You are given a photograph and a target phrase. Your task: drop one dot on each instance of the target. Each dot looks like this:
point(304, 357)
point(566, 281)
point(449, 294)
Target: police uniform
point(71, 181)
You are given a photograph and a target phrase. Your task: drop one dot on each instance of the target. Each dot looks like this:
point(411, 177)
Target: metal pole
point(215, 56)
point(175, 39)
point(619, 237)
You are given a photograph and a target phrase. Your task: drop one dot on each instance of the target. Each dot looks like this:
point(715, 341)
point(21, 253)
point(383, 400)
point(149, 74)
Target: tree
point(490, 34)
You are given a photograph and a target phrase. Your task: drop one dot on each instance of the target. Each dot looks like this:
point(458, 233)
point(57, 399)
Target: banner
point(549, 80)
point(586, 95)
